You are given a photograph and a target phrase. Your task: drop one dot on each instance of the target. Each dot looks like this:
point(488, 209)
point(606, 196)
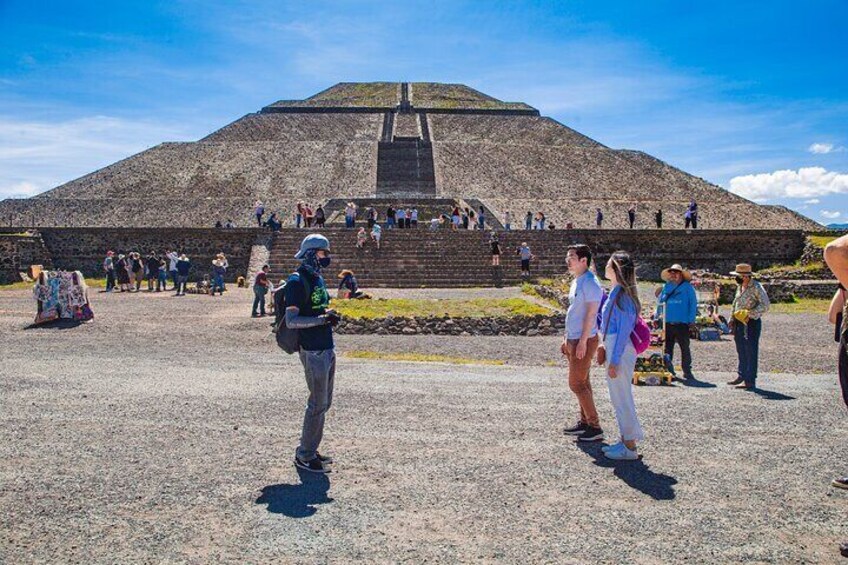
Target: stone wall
point(516, 325)
point(85, 248)
point(17, 253)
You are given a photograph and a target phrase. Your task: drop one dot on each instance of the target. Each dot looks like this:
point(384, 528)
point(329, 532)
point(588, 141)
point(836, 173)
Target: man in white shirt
point(581, 339)
point(172, 266)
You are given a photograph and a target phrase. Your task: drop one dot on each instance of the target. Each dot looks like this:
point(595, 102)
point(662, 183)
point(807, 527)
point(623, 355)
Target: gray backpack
point(287, 338)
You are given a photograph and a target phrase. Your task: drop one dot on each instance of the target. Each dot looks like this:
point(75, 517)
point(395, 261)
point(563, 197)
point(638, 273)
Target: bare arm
point(835, 305)
point(836, 257)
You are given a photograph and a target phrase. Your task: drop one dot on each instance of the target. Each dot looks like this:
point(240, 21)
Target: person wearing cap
point(307, 311)
point(749, 305)
point(680, 307)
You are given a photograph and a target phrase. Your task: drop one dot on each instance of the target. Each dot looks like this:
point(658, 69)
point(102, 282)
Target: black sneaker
point(591, 434)
point(313, 465)
point(576, 429)
point(325, 459)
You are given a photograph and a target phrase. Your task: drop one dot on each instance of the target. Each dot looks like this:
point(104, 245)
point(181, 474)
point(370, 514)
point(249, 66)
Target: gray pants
point(320, 370)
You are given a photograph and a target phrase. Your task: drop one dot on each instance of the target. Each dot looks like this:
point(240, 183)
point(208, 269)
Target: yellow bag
point(741, 316)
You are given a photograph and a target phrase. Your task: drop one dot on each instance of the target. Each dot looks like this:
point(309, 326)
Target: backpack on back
point(287, 339)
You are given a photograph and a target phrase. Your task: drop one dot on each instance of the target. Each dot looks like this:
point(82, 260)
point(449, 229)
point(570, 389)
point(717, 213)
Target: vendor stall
point(61, 295)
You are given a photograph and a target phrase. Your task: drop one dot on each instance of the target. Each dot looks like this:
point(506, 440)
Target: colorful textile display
point(61, 294)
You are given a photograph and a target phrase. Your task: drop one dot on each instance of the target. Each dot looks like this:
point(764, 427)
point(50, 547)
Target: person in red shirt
point(260, 289)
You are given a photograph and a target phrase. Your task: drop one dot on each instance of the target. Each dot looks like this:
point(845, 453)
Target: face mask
point(738, 280)
point(324, 262)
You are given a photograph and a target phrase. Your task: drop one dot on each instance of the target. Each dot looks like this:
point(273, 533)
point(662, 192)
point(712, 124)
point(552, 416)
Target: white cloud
point(806, 182)
point(830, 215)
point(820, 148)
point(812, 201)
point(37, 156)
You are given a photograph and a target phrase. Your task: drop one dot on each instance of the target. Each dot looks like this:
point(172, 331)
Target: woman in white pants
point(618, 355)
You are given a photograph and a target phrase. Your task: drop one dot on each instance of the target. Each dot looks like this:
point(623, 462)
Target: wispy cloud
point(825, 148)
point(830, 214)
point(812, 201)
point(803, 183)
point(37, 156)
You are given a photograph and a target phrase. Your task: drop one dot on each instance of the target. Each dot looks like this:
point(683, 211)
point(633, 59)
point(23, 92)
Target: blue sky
point(750, 95)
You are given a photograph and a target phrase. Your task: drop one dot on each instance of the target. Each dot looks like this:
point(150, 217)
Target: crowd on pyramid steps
point(457, 218)
point(126, 272)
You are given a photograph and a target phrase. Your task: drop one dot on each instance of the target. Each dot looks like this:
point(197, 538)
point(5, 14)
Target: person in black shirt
point(307, 302)
point(658, 218)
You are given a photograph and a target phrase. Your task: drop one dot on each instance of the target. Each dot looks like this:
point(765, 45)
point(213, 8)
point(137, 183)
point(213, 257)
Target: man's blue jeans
point(747, 338)
point(259, 299)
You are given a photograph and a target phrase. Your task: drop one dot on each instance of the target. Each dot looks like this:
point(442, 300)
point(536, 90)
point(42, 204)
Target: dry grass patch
point(420, 358)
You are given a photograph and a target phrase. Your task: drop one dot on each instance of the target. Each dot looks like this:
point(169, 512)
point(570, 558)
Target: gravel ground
point(164, 432)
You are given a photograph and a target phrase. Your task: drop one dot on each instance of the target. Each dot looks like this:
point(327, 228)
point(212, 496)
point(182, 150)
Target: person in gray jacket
point(307, 302)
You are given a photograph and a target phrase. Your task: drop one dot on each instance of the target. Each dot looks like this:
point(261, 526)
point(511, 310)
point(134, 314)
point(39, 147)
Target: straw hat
point(665, 275)
point(743, 269)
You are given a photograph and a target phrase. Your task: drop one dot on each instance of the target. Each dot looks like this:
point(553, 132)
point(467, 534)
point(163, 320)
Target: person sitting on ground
point(348, 287)
point(273, 223)
point(680, 307)
point(218, 225)
point(376, 233)
point(434, 223)
point(361, 238)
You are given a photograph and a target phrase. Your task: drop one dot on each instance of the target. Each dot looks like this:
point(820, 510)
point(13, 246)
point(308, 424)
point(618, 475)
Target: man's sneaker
point(623, 453)
point(313, 465)
point(325, 459)
point(611, 447)
point(591, 434)
point(840, 482)
point(576, 429)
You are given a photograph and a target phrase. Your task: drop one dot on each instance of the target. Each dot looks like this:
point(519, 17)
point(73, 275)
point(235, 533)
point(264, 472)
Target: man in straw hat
point(749, 305)
point(680, 308)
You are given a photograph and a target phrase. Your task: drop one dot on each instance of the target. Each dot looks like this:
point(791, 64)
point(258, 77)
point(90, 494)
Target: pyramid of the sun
point(412, 141)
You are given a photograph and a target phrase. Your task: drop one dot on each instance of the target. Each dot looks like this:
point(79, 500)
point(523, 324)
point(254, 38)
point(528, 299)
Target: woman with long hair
point(618, 355)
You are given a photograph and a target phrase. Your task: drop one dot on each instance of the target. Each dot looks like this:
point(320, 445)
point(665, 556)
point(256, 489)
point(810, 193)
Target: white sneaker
point(622, 454)
point(612, 447)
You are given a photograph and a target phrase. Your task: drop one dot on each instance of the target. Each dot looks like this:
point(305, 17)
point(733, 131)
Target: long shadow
point(297, 501)
point(771, 395)
point(60, 324)
point(694, 383)
point(635, 474)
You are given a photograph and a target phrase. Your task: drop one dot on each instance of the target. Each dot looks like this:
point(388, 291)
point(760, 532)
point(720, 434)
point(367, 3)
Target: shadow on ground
point(300, 500)
point(635, 474)
point(60, 324)
point(694, 383)
point(771, 395)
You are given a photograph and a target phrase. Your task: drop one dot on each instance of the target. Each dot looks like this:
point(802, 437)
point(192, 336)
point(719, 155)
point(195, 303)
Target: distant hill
point(837, 226)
